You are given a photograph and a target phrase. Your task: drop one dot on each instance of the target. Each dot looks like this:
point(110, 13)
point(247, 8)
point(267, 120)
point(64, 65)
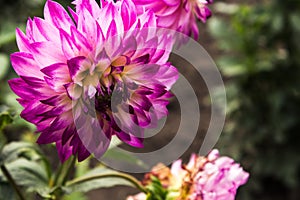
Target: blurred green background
point(256, 45)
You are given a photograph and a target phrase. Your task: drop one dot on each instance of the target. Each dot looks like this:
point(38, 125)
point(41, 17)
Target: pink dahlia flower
point(203, 178)
point(218, 179)
point(87, 77)
point(179, 15)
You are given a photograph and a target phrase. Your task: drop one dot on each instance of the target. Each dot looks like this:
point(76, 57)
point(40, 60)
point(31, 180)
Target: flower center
point(112, 89)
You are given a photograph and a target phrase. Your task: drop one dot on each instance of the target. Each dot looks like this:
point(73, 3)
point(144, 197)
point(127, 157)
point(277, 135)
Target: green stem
point(63, 172)
point(56, 176)
point(12, 182)
point(68, 169)
point(127, 177)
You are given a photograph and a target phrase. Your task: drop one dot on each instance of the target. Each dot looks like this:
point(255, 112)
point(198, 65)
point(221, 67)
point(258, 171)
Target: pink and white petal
point(55, 14)
point(171, 2)
point(74, 91)
point(55, 79)
point(58, 72)
point(78, 65)
point(167, 75)
point(29, 29)
point(23, 90)
point(69, 47)
point(89, 5)
point(82, 43)
point(47, 53)
point(87, 25)
point(43, 31)
point(113, 41)
point(24, 64)
point(128, 13)
point(73, 14)
point(32, 111)
point(22, 41)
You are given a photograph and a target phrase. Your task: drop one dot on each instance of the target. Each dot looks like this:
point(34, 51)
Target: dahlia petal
point(67, 134)
point(55, 14)
point(126, 124)
point(160, 108)
point(203, 13)
point(112, 30)
point(24, 63)
point(177, 15)
point(114, 42)
point(64, 151)
point(82, 42)
point(168, 75)
point(130, 46)
point(49, 137)
point(43, 31)
point(45, 57)
point(143, 119)
point(31, 111)
point(74, 91)
point(103, 3)
point(83, 153)
point(69, 47)
point(128, 13)
point(87, 25)
point(93, 137)
point(29, 29)
point(89, 5)
point(111, 13)
point(73, 14)
point(194, 30)
point(58, 72)
point(141, 101)
point(171, 2)
point(22, 41)
point(52, 101)
point(165, 21)
point(23, 90)
point(130, 139)
point(75, 65)
point(35, 83)
point(53, 112)
point(142, 59)
point(147, 19)
point(142, 72)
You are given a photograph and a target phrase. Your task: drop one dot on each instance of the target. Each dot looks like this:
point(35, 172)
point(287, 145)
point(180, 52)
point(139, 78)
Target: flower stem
point(68, 169)
point(64, 172)
point(12, 182)
point(124, 176)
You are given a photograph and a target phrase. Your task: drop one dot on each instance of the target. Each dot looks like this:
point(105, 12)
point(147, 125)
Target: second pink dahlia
point(179, 15)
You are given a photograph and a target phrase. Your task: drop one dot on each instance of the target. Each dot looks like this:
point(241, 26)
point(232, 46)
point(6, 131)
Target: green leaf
point(82, 168)
point(156, 190)
point(29, 174)
point(4, 62)
point(75, 196)
point(6, 38)
point(6, 115)
point(226, 8)
point(231, 66)
point(6, 191)
point(15, 150)
point(114, 142)
point(121, 155)
point(97, 183)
